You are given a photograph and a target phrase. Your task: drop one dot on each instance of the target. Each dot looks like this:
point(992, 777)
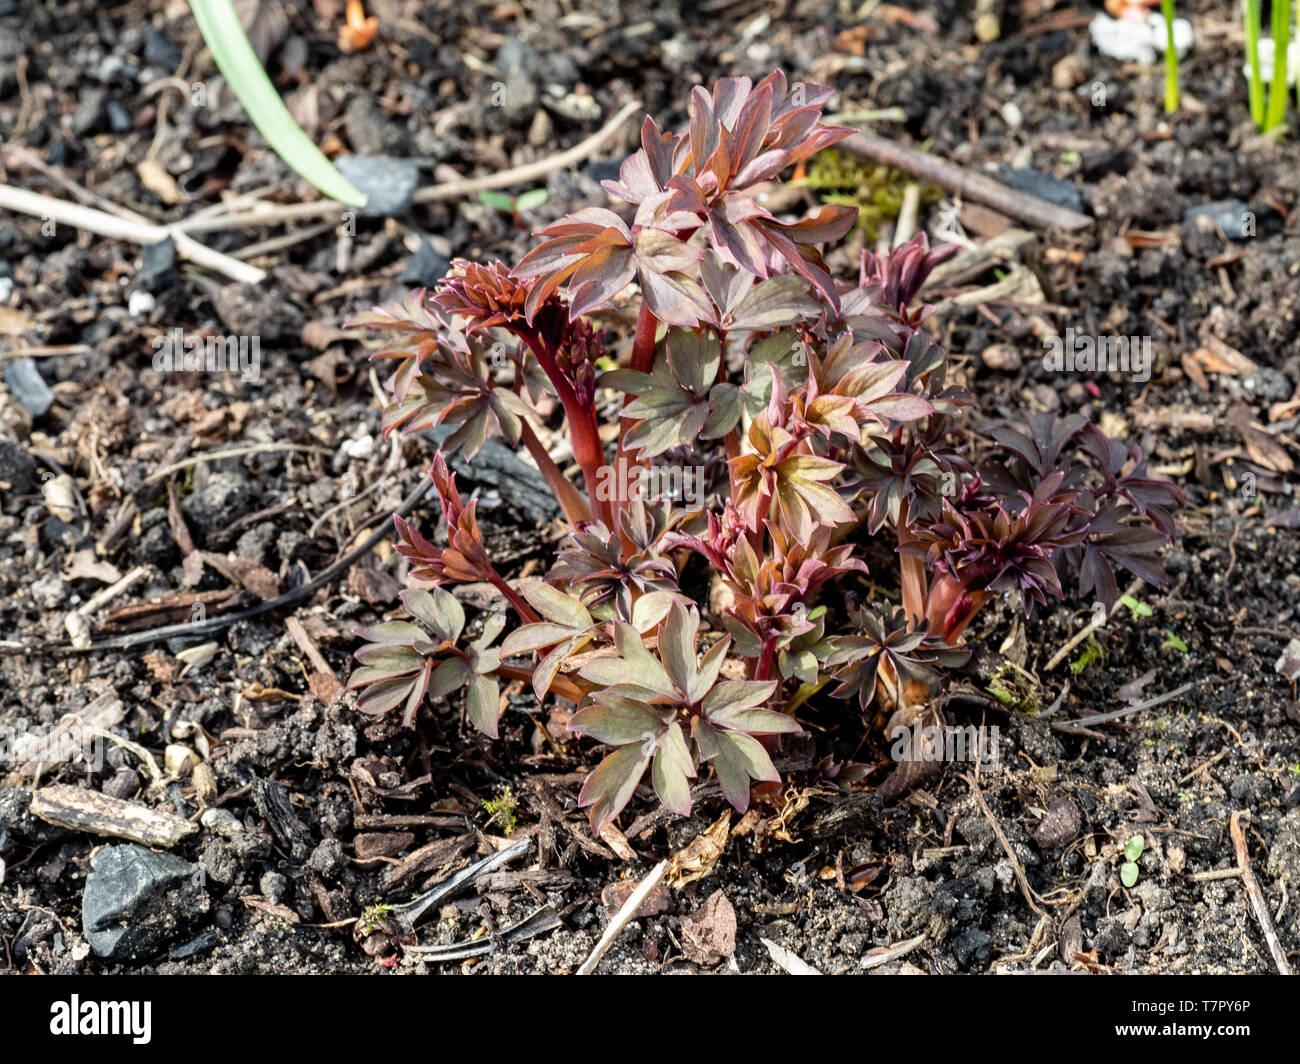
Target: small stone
point(159, 50)
point(1268, 383)
point(274, 887)
point(136, 901)
point(1001, 357)
point(17, 469)
point(89, 112)
point(371, 131)
point(1060, 824)
point(709, 934)
point(426, 267)
point(221, 822)
point(388, 184)
point(140, 304)
point(972, 948)
point(541, 131)
point(1234, 218)
point(328, 859)
point(1284, 856)
point(1068, 72)
point(1033, 183)
point(26, 384)
point(119, 119)
point(157, 270)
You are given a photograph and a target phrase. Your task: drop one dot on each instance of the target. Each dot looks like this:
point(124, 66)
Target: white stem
point(95, 221)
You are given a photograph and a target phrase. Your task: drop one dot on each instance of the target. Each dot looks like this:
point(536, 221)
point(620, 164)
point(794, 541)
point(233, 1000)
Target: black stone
point(1033, 183)
point(387, 184)
point(426, 267)
point(157, 270)
point(1228, 215)
point(137, 900)
point(26, 384)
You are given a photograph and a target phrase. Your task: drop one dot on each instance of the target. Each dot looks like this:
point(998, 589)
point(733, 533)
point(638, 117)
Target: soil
point(323, 814)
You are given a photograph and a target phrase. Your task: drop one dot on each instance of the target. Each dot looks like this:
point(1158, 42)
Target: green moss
point(1092, 652)
point(1015, 689)
point(876, 190)
point(503, 810)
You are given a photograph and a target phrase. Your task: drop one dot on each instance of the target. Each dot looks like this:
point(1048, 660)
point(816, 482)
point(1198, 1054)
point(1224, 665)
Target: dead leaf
point(265, 23)
point(256, 692)
point(617, 842)
point(83, 565)
point(1194, 372)
point(615, 896)
point(1218, 357)
point(158, 181)
point(1288, 665)
point(247, 574)
point(709, 934)
point(699, 856)
point(323, 686)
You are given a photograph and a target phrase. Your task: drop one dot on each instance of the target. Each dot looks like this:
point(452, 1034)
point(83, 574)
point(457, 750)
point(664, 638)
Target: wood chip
point(78, 809)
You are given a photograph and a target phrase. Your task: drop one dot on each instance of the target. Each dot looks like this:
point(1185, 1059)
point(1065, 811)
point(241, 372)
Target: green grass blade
point(1277, 92)
point(239, 65)
point(1250, 17)
point(1171, 58)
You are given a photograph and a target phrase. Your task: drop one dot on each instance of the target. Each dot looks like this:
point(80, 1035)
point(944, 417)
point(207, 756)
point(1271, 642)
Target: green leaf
point(555, 605)
point(650, 609)
point(617, 721)
point(737, 759)
point(498, 201)
point(483, 704)
point(734, 696)
point(449, 676)
point(439, 609)
point(1139, 609)
point(673, 766)
point(1172, 642)
point(1128, 874)
point(532, 199)
point(611, 785)
point(677, 645)
point(530, 637)
point(545, 670)
point(238, 63)
point(1133, 850)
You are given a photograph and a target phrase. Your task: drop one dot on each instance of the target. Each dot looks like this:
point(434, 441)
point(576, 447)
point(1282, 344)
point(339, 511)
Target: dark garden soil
point(306, 816)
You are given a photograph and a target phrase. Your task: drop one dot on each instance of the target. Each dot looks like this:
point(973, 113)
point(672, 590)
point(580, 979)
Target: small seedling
point(1172, 642)
point(1092, 652)
point(1138, 609)
point(1128, 871)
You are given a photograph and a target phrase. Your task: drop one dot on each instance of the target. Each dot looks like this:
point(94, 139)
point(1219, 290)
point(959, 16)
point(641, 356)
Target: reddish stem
point(581, 419)
point(570, 498)
point(526, 613)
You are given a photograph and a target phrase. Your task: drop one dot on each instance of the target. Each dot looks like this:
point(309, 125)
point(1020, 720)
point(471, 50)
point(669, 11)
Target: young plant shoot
point(821, 413)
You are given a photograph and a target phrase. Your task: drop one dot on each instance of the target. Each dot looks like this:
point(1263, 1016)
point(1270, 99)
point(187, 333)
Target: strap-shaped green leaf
point(239, 65)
